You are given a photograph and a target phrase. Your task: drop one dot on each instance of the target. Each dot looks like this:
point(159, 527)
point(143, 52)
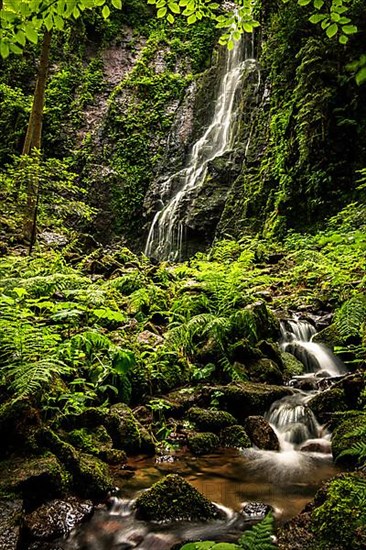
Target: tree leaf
point(117, 4)
point(349, 29)
point(106, 11)
point(332, 30)
point(191, 19)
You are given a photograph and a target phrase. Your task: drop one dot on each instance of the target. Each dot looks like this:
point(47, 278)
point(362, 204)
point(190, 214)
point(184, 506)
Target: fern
point(259, 537)
point(351, 316)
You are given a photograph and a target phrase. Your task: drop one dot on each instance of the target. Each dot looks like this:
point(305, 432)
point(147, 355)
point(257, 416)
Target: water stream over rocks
point(237, 480)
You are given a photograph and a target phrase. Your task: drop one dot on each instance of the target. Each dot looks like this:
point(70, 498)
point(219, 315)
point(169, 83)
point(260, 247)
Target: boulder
point(255, 510)
point(56, 518)
point(235, 436)
point(91, 477)
point(265, 370)
point(173, 499)
point(126, 432)
point(10, 519)
point(261, 433)
point(203, 443)
point(19, 422)
point(343, 438)
point(210, 420)
point(292, 366)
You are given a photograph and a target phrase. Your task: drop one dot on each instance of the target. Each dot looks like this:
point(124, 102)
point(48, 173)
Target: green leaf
point(161, 12)
point(248, 27)
point(361, 76)
point(30, 33)
point(303, 2)
point(349, 29)
point(106, 12)
point(318, 4)
point(170, 18)
point(316, 18)
point(332, 30)
point(230, 44)
point(191, 19)
point(16, 49)
point(343, 39)
point(4, 49)
point(117, 4)
point(174, 7)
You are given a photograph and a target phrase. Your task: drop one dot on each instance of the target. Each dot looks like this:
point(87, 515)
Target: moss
point(210, 420)
point(328, 402)
point(203, 443)
point(343, 438)
point(235, 436)
point(126, 432)
point(329, 336)
point(265, 370)
point(340, 521)
point(292, 366)
point(91, 477)
point(92, 442)
point(173, 499)
point(19, 422)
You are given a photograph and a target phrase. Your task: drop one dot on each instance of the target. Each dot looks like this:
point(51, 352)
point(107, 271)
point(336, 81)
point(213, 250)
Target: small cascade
point(297, 338)
point(168, 229)
point(291, 417)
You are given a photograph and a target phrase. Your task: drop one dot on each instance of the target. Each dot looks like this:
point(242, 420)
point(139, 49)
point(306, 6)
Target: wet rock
point(236, 437)
point(265, 370)
point(316, 446)
point(10, 518)
point(56, 518)
point(19, 422)
point(261, 433)
point(296, 534)
point(267, 326)
point(255, 510)
point(243, 399)
point(328, 336)
point(173, 498)
point(210, 420)
point(149, 338)
point(292, 366)
point(34, 478)
point(91, 477)
point(203, 443)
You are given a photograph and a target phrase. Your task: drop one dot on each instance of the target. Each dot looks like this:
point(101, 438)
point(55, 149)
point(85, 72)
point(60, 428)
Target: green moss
point(210, 420)
point(327, 402)
point(340, 521)
point(345, 436)
point(292, 366)
point(91, 477)
point(203, 443)
point(235, 436)
point(126, 432)
point(265, 370)
point(173, 499)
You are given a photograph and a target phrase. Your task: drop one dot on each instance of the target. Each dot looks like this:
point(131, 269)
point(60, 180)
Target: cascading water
point(291, 417)
point(168, 229)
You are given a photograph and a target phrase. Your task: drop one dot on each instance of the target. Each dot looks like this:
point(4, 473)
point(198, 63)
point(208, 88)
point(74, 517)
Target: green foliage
point(351, 317)
point(341, 519)
point(259, 537)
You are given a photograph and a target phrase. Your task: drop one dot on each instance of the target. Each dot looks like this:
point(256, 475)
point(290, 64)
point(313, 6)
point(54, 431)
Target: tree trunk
point(33, 140)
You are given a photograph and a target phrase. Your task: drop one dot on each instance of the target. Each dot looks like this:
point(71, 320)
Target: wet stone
point(255, 510)
point(57, 518)
point(10, 515)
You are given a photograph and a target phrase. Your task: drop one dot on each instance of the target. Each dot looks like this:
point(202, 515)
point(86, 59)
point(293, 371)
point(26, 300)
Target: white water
point(168, 229)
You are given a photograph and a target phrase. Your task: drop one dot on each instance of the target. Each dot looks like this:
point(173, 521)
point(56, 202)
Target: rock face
point(56, 518)
point(261, 434)
point(171, 499)
point(236, 437)
point(203, 443)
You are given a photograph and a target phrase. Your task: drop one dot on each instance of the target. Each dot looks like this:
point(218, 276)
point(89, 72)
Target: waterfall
point(292, 419)
point(168, 229)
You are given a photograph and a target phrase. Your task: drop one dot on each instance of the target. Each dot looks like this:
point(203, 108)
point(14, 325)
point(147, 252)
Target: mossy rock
point(265, 370)
point(243, 352)
point(235, 437)
point(11, 512)
point(19, 422)
point(343, 438)
point(328, 402)
point(292, 366)
point(91, 477)
point(272, 351)
point(37, 478)
point(126, 432)
point(261, 433)
point(339, 519)
point(328, 336)
point(210, 420)
point(267, 325)
point(243, 399)
point(173, 499)
point(203, 443)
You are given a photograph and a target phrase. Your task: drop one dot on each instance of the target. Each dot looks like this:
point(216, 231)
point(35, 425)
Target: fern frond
point(350, 317)
point(260, 536)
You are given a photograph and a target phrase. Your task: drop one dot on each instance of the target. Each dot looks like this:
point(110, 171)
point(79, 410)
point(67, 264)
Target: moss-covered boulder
point(236, 437)
point(329, 336)
point(267, 326)
point(348, 433)
point(243, 399)
point(339, 518)
point(210, 420)
point(19, 421)
point(91, 477)
point(292, 366)
point(37, 477)
point(203, 443)
point(261, 433)
point(126, 432)
point(173, 499)
point(265, 370)
point(10, 520)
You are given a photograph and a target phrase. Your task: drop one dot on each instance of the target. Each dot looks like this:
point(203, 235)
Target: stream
point(233, 479)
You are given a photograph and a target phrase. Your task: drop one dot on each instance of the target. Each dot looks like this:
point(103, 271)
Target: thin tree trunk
point(33, 140)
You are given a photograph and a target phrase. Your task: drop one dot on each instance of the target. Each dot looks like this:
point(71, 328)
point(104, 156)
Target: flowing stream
point(285, 480)
point(168, 229)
